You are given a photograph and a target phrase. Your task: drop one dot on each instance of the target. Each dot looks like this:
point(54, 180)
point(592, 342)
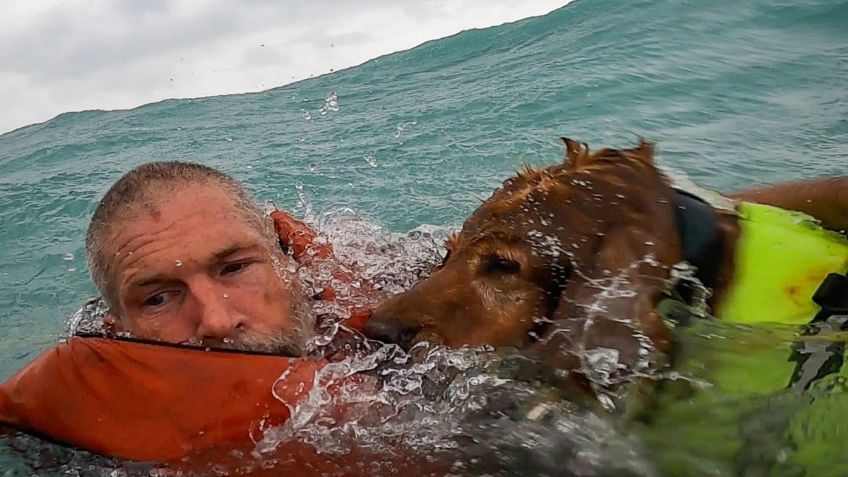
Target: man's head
point(182, 253)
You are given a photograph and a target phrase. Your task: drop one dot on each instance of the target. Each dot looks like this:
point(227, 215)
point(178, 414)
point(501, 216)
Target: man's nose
point(217, 319)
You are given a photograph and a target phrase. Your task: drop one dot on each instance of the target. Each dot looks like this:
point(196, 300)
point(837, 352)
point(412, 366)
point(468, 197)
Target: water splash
point(331, 104)
point(448, 404)
point(400, 128)
point(392, 262)
point(471, 409)
point(88, 319)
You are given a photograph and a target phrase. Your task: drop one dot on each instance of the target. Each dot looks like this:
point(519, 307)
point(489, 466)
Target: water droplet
point(178, 263)
point(306, 115)
point(312, 167)
point(249, 167)
point(226, 295)
point(228, 139)
point(72, 269)
point(370, 159)
point(68, 257)
point(331, 103)
point(270, 206)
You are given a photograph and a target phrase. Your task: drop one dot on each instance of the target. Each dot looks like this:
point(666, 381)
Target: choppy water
point(736, 93)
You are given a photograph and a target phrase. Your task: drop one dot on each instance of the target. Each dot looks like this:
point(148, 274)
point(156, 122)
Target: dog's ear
point(643, 152)
point(576, 154)
point(610, 303)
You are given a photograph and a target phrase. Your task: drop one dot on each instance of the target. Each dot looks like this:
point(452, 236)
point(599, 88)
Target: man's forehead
point(189, 216)
point(183, 198)
point(140, 273)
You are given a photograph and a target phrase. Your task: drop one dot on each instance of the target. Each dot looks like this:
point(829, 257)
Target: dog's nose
point(385, 330)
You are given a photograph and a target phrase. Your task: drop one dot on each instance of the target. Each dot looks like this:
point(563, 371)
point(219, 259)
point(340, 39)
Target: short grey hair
point(139, 188)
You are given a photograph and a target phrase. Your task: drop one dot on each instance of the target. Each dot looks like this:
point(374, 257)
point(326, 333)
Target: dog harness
point(780, 259)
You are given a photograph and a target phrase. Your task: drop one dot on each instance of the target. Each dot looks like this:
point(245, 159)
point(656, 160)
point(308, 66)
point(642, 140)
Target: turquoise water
point(736, 94)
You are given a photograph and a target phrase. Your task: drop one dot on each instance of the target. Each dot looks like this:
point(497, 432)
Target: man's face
point(190, 268)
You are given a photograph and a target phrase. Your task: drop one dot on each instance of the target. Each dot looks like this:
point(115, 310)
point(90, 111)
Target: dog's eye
point(497, 264)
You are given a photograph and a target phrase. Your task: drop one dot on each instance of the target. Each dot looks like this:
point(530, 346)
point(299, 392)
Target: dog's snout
point(385, 330)
point(390, 330)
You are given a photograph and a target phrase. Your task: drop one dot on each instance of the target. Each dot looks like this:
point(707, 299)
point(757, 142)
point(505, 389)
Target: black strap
point(832, 295)
point(703, 244)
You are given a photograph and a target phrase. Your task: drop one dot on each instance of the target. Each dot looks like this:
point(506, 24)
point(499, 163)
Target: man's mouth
point(269, 343)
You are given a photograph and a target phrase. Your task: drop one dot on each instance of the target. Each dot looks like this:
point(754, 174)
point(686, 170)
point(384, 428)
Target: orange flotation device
point(192, 410)
point(159, 402)
point(149, 402)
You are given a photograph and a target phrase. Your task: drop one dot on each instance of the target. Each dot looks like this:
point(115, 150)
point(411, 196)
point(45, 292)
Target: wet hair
point(141, 188)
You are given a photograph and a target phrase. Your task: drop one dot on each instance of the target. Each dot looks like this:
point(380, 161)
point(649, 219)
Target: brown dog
point(571, 261)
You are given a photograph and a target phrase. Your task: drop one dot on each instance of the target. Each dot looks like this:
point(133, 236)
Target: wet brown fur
point(529, 263)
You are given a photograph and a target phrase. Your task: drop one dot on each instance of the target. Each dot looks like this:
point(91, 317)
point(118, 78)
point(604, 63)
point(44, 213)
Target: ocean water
point(735, 93)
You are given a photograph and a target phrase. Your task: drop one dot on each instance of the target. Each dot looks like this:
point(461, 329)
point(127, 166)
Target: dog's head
point(530, 264)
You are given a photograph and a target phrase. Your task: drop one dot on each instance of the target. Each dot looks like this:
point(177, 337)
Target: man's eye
point(232, 268)
point(155, 300)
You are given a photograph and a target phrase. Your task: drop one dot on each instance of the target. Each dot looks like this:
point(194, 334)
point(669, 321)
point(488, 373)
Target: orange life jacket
point(194, 410)
point(154, 402)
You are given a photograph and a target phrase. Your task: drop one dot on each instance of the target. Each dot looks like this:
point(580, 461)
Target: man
point(181, 253)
